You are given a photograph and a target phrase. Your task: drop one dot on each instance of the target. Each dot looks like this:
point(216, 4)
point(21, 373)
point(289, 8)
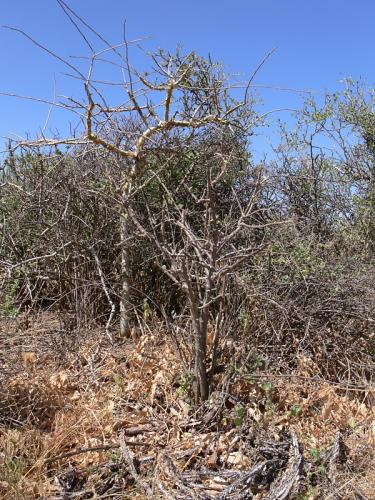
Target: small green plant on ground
point(13, 470)
point(185, 384)
point(239, 414)
point(316, 453)
point(296, 410)
point(234, 417)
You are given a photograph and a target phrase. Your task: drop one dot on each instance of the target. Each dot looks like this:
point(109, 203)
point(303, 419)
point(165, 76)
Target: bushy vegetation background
point(309, 287)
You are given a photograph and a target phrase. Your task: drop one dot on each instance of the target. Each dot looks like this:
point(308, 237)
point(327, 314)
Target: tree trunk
point(202, 386)
point(125, 304)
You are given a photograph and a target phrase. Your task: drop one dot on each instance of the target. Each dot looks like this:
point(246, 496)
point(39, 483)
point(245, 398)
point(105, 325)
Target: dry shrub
point(359, 477)
point(30, 402)
point(21, 472)
point(326, 316)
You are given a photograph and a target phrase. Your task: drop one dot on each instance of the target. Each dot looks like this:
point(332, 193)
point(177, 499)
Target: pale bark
point(125, 303)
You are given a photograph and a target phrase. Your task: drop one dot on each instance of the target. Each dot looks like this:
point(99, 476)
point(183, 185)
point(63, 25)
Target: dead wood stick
point(288, 482)
point(102, 447)
point(339, 385)
point(127, 455)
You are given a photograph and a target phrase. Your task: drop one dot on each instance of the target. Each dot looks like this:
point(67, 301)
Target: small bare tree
point(161, 111)
point(202, 239)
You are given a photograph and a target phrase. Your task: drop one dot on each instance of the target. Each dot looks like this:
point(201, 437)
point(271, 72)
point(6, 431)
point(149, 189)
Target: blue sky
point(318, 43)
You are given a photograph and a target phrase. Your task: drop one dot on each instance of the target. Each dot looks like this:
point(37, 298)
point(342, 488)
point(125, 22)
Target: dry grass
point(53, 404)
